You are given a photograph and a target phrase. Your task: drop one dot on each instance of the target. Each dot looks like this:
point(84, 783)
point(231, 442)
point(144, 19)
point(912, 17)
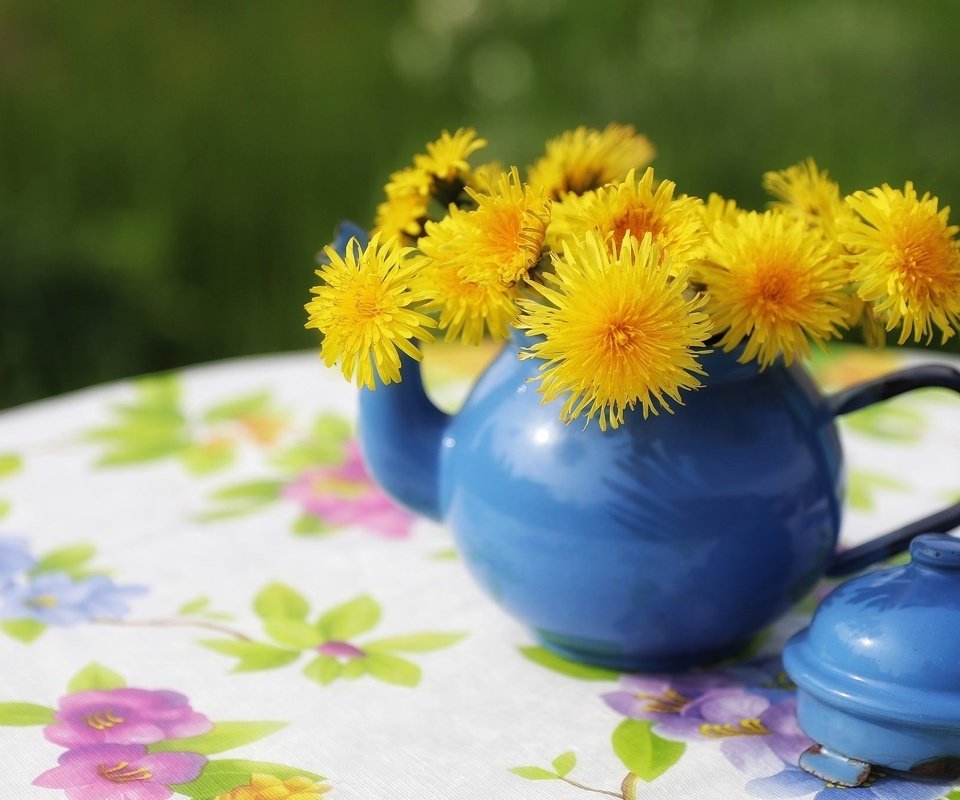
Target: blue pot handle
point(866, 394)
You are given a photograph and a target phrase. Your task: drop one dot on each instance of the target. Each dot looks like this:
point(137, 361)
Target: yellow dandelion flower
point(269, 787)
point(364, 309)
point(507, 232)
point(906, 260)
point(804, 191)
point(584, 159)
point(484, 179)
point(467, 309)
point(773, 283)
point(446, 158)
point(411, 180)
point(617, 331)
point(718, 209)
point(636, 207)
point(402, 217)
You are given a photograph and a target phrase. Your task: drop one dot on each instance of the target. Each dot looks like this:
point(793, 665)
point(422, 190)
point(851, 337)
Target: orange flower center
point(124, 773)
point(636, 220)
point(927, 262)
point(350, 490)
point(103, 720)
point(746, 727)
point(670, 702)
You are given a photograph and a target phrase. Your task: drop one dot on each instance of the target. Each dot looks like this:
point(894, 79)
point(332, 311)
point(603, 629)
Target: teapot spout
point(401, 432)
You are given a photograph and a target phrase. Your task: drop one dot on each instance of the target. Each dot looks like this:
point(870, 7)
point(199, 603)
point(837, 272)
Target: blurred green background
point(168, 169)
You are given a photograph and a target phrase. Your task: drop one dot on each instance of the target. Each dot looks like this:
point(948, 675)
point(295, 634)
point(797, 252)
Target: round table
point(203, 595)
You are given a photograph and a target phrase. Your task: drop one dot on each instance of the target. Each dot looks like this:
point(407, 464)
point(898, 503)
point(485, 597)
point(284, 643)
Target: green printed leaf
point(65, 559)
point(323, 669)
point(331, 427)
point(95, 677)
point(572, 669)
point(194, 606)
point(251, 492)
point(323, 447)
point(4, 508)
point(223, 775)
point(889, 421)
point(202, 459)
point(353, 669)
point(293, 632)
point(535, 773)
point(564, 763)
point(864, 483)
point(392, 669)
point(642, 752)
point(139, 453)
point(414, 643)
point(278, 601)
point(243, 498)
point(308, 525)
point(223, 736)
point(446, 554)
point(23, 630)
point(159, 391)
point(25, 714)
point(10, 464)
point(241, 407)
point(253, 656)
point(350, 619)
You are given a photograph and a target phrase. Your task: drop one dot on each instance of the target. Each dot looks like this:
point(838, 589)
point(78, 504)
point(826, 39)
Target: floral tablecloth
point(202, 595)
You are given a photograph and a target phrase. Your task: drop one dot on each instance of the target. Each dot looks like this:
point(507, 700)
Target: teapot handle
point(875, 391)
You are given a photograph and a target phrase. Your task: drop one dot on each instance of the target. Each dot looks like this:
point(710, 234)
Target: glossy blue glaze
point(666, 543)
point(878, 669)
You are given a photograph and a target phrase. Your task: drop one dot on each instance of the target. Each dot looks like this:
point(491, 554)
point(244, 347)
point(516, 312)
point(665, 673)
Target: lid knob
point(938, 550)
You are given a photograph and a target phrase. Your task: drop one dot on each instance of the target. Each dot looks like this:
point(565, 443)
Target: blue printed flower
point(14, 557)
point(794, 782)
point(54, 598)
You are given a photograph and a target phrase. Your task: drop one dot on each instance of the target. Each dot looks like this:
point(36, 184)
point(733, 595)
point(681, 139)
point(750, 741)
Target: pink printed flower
point(346, 495)
point(124, 716)
point(120, 772)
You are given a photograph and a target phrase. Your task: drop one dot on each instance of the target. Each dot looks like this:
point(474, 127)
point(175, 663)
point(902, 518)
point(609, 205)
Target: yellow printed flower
point(364, 309)
point(617, 331)
point(636, 207)
point(446, 158)
point(806, 192)
point(906, 260)
point(773, 283)
point(411, 180)
point(719, 209)
point(584, 159)
point(467, 309)
point(268, 787)
point(507, 231)
point(401, 217)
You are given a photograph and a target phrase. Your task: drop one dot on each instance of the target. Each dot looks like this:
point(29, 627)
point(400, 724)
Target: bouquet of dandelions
point(621, 284)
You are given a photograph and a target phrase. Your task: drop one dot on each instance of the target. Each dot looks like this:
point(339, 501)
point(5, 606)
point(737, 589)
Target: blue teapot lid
point(887, 644)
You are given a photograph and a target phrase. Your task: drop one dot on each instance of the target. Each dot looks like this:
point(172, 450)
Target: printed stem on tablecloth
point(155, 426)
point(330, 639)
point(324, 478)
point(563, 765)
point(57, 589)
point(177, 623)
point(140, 744)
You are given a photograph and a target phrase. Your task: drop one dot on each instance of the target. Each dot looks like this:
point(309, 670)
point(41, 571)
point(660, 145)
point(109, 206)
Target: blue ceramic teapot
point(666, 543)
